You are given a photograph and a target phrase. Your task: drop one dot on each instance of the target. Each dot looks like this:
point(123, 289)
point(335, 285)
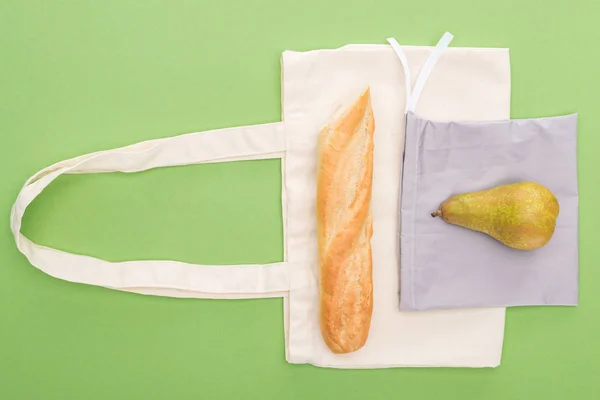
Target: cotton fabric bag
point(444, 266)
point(314, 83)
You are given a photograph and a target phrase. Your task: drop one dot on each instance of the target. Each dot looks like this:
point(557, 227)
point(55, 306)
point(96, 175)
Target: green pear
point(521, 215)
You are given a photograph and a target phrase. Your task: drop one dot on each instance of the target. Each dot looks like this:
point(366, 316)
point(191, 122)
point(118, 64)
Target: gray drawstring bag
point(446, 266)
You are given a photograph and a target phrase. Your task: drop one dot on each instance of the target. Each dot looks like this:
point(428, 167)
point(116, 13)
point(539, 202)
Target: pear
point(521, 215)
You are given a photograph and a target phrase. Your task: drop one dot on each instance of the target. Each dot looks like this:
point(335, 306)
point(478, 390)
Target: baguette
point(345, 227)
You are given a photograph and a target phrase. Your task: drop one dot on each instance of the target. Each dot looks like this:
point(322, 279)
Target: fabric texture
point(445, 266)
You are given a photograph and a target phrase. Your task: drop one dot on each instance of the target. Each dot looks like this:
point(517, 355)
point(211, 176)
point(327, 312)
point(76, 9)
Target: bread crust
point(345, 226)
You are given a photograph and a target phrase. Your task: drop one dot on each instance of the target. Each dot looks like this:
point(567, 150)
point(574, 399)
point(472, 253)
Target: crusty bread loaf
point(345, 226)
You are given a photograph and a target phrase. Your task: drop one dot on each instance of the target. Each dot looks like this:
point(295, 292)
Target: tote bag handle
point(161, 277)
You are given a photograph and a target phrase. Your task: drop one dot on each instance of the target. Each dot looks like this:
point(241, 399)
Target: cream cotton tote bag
point(466, 83)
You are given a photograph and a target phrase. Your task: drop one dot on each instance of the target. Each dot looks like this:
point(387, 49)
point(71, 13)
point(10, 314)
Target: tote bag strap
point(413, 95)
point(162, 277)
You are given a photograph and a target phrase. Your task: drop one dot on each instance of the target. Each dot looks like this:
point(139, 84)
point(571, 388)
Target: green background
point(82, 76)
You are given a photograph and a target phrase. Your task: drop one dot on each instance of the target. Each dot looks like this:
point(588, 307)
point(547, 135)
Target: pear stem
point(436, 214)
